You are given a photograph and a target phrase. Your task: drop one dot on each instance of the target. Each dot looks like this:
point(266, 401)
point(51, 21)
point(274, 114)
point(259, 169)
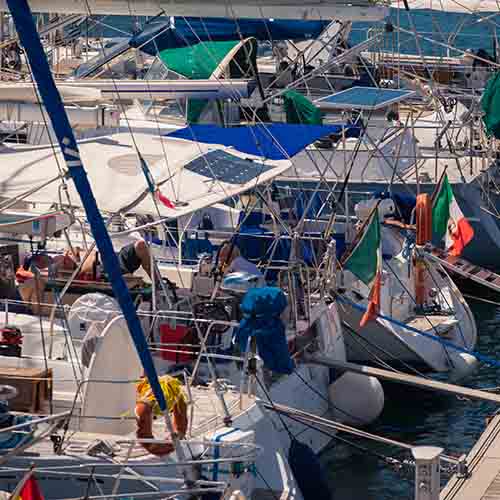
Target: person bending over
point(31, 285)
point(131, 257)
point(231, 261)
point(147, 408)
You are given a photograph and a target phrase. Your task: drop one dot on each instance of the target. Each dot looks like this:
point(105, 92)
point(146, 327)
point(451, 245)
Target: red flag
point(30, 490)
point(373, 309)
point(163, 199)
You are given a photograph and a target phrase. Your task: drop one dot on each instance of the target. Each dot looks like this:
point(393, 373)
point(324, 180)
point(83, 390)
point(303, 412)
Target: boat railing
point(28, 424)
point(30, 436)
point(127, 472)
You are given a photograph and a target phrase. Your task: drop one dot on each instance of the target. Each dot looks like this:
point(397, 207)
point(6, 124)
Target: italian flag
point(365, 262)
point(448, 221)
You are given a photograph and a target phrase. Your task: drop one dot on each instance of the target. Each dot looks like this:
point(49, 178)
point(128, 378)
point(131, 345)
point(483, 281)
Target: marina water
point(358, 471)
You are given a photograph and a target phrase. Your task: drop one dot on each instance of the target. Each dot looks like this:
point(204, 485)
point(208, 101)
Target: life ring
point(146, 407)
point(423, 219)
point(144, 416)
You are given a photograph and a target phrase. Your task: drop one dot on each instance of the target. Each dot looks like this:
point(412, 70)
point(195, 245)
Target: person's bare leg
point(142, 251)
point(88, 264)
point(38, 296)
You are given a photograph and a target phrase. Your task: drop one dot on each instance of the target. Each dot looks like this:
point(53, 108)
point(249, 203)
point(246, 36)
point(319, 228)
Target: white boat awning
point(189, 174)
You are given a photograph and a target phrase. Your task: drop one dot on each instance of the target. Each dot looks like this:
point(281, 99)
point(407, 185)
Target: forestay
point(191, 175)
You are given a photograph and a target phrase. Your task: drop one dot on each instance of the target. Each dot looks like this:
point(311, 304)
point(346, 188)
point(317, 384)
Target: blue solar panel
point(364, 98)
point(225, 167)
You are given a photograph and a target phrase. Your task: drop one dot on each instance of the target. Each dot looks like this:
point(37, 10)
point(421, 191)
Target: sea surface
point(357, 470)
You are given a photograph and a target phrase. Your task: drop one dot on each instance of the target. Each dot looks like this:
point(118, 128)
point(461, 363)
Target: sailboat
point(421, 321)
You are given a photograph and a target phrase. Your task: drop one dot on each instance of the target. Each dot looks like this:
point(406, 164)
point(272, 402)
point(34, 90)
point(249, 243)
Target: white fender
point(464, 365)
point(237, 495)
point(356, 399)
point(115, 359)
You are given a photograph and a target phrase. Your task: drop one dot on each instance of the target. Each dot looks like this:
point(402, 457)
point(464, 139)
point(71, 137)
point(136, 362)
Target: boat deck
point(208, 413)
point(433, 323)
point(207, 417)
point(483, 482)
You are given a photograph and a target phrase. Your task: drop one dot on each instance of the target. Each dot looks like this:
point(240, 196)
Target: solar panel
point(368, 98)
point(225, 167)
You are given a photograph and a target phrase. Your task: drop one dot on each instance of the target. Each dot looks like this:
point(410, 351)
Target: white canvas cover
point(117, 180)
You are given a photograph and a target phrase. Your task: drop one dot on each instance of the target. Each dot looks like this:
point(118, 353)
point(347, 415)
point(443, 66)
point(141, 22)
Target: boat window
point(163, 110)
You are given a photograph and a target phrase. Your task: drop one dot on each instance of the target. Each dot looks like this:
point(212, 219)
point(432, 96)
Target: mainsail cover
point(366, 10)
point(190, 174)
point(490, 104)
point(299, 109)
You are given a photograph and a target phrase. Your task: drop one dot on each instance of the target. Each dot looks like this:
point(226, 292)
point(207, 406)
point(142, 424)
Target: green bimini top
point(197, 62)
point(200, 61)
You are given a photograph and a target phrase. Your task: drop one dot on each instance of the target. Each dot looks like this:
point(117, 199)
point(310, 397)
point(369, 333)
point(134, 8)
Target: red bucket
point(172, 339)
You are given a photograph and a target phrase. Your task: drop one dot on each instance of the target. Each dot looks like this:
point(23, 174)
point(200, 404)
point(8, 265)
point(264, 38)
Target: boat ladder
point(465, 269)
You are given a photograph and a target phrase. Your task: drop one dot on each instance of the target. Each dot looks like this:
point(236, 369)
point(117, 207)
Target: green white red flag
point(365, 262)
point(448, 220)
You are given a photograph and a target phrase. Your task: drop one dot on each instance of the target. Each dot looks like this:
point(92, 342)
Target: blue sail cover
point(161, 34)
point(26, 29)
point(275, 141)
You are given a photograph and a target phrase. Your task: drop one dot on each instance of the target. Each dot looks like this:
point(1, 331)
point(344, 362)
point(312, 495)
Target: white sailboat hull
point(423, 341)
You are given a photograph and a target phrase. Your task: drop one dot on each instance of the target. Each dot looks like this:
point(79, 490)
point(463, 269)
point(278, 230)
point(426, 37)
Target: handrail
point(38, 421)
